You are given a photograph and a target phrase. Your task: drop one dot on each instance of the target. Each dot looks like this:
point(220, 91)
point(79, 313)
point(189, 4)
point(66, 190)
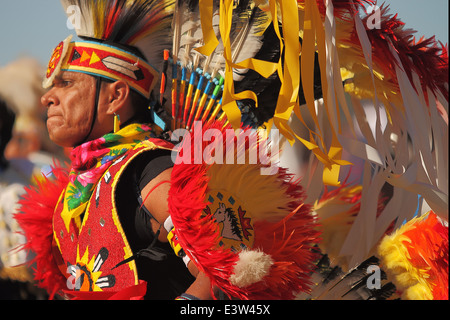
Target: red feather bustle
point(289, 240)
point(290, 244)
point(428, 250)
point(415, 257)
point(199, 236)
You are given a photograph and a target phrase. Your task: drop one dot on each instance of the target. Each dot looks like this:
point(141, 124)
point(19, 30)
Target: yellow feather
point(268, 202)
point(395, 257)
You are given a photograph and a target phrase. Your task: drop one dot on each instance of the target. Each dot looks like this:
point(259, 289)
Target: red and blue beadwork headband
point(102, 60)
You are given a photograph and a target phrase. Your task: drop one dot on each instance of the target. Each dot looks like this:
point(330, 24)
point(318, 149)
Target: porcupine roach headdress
point(351, 65)
point(113, 30)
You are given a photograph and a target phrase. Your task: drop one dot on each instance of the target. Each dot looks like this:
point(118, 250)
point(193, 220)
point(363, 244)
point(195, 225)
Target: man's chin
point(60, 138)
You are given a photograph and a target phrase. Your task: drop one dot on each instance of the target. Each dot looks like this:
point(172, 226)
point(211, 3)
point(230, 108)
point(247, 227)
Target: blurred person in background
point(14, 276)
point(30, 149)
point(26, 154)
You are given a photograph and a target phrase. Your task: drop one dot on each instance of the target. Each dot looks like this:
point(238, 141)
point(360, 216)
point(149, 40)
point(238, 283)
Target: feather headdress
point(199, 57)
point(113, 31)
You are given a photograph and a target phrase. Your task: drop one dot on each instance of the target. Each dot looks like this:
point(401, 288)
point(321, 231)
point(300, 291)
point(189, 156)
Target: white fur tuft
point(251, 267)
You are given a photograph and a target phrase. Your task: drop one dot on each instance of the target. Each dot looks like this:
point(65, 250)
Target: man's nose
point(48, 99)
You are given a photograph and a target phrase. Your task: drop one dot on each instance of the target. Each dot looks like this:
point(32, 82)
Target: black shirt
point(168, 278)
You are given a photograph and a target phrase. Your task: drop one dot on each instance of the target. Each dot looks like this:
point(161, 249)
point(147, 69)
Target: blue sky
point(35, 27)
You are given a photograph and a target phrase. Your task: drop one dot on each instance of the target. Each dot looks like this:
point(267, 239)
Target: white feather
point(80, 14)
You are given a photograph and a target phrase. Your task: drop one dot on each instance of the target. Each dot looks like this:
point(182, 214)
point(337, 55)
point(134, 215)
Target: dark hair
point(7, 118)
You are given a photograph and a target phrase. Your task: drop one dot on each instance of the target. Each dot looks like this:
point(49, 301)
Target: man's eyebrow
point(62, 75)
point(59, 77)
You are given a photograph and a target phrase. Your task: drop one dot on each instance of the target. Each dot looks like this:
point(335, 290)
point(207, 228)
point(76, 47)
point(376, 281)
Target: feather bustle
point(416, 256)
point(292, 230)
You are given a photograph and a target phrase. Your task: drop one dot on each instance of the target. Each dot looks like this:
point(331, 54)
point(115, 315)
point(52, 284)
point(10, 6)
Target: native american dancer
point(213, 215)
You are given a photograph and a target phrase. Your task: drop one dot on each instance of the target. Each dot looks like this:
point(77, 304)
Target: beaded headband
point(102, 60)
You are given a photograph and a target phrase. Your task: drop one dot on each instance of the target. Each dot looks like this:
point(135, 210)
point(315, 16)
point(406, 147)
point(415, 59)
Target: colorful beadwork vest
point(92, 248)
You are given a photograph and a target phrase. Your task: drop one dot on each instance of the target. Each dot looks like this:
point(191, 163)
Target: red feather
point(35, 219)
point(428, 250)
point(426, 57)
point(291, 246)
point(199, 236)
point(111, 19)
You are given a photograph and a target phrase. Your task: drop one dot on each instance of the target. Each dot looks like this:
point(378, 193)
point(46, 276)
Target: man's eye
point(66, 83)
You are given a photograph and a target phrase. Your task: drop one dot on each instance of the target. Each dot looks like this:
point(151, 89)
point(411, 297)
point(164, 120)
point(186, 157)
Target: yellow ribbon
point(313, 33)
point(288, 71)
point(209, 36)
point(333, 163)
point(264, 68)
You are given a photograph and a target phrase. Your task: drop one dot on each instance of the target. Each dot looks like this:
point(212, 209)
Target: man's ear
point(117, 94)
